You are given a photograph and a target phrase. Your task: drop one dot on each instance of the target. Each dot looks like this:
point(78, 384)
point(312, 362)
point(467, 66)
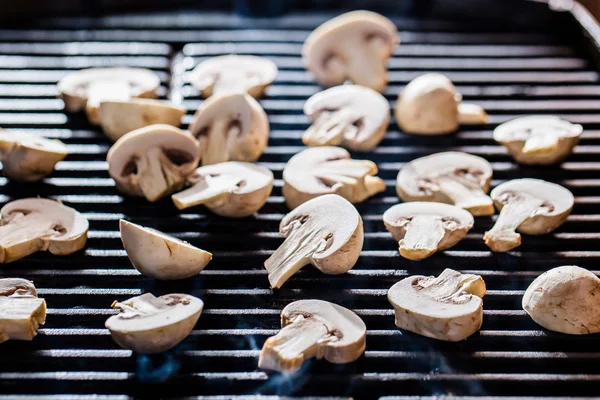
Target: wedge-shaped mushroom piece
point(565, 299)
point(430, 105)
point(148, 324)
point(314, 328)
point(31, 225)
point(230, 127)
point(452, 177)
point(27, 157)
point(230, 189)
point(326, 232)
point(529, 206)
point(153, 162)
point(538, 139)
point(423, 228)
point(448, 307)
point(21, 311)
point(354, 46)
point(329, 170)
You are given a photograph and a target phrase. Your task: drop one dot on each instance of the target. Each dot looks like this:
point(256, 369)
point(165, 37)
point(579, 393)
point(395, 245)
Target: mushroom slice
point(350, 116)
point(21, 311)
point(148, 324)
point(230, 127)
point(31, 225)
point(430, 105)
point(322, 170)
point(314, 328)
point(538, 139)
point(565, 299)
point(452, 177)
point(230, 189)
point(233, 73)
point(448, 307)
point(530, 206)
point(423, 228)
point(153, 162)
point(27, 157)
point(326, 232)
point(354, 46)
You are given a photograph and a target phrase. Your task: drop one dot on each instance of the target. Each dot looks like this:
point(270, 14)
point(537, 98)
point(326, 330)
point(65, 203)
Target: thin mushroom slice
point(326, 232)
point(21, 311)
point(422, 228)
point(329, 170)
point(452, 177)
point(314, 328)
point(530, 206)
point(448, 307)
point(148, 324)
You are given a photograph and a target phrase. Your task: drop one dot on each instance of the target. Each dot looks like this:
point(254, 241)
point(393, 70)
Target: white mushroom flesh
point(21, 311)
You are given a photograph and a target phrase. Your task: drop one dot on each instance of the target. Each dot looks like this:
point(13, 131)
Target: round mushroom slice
point(233, 73)
point(329, 170)
point(148, 324)
point(452, 177)
point(354, 46)
point(430, 105)
point(230, 127)
point(423, 228)
point(326, 232)
point(21, 311)
point(539, 139)
point(350, 116)
point(530, 206)
point(314, 328)
point(231, 189)
point(153, 162)
point(565, 299)
point(448, 307)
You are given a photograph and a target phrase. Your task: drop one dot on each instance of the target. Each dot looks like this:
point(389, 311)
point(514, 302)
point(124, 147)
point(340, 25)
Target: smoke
point(158, 368)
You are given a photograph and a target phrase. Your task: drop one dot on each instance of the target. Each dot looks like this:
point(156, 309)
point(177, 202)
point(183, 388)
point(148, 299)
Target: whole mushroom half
point(153, 162)
point(231, 189)
point(538, 139)
point(354, 46)
point(148, 324)
point(430, 105)
point(565, 299)
point(448, 307)
point(326, 232)
point(350, 116)
point(314, 328)
point(529, 206)
point(230, 127)
point(423, 228)
point(452, 177)
point(329, 170)
point(31, 225)
point(21, 311)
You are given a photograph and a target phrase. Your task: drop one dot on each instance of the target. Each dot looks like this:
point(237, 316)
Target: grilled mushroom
point(448, 307)
point(314, 328)
point(326, 232)
point(530, 206)
point(21, 311)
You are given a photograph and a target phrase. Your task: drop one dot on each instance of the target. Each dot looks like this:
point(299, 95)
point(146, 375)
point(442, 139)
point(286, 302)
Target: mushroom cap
point(15, 287)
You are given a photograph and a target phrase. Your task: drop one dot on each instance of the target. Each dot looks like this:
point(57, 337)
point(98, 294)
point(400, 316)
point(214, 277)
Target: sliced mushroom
point(31, 225)
point(430, 105)
point(153, 162)
point(21, 311)
point(326, 232)
point(148, 324)
point(539, 139)
point(565, 299)
point(452, 177)
point(530, 206)
point(323, 170)
point(354, 46)
point(230, 189)
point(230, 127)
point(27, 157)
point(233, 74)
point(423, 228)
point(314, 328)
point(448, 307)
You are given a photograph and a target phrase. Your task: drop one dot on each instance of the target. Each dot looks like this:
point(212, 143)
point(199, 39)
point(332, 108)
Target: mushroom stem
point(329, 128)
point(236, 81)
point(471, 114)
point(217, 150)
point(451, 284)
point(423, 235)
point(207, 189)
point(20, 317)
point(26, 235)
point(157, 175)
point(351, 178)
point(541, 144)
point(467, 196)
point(105, 90)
